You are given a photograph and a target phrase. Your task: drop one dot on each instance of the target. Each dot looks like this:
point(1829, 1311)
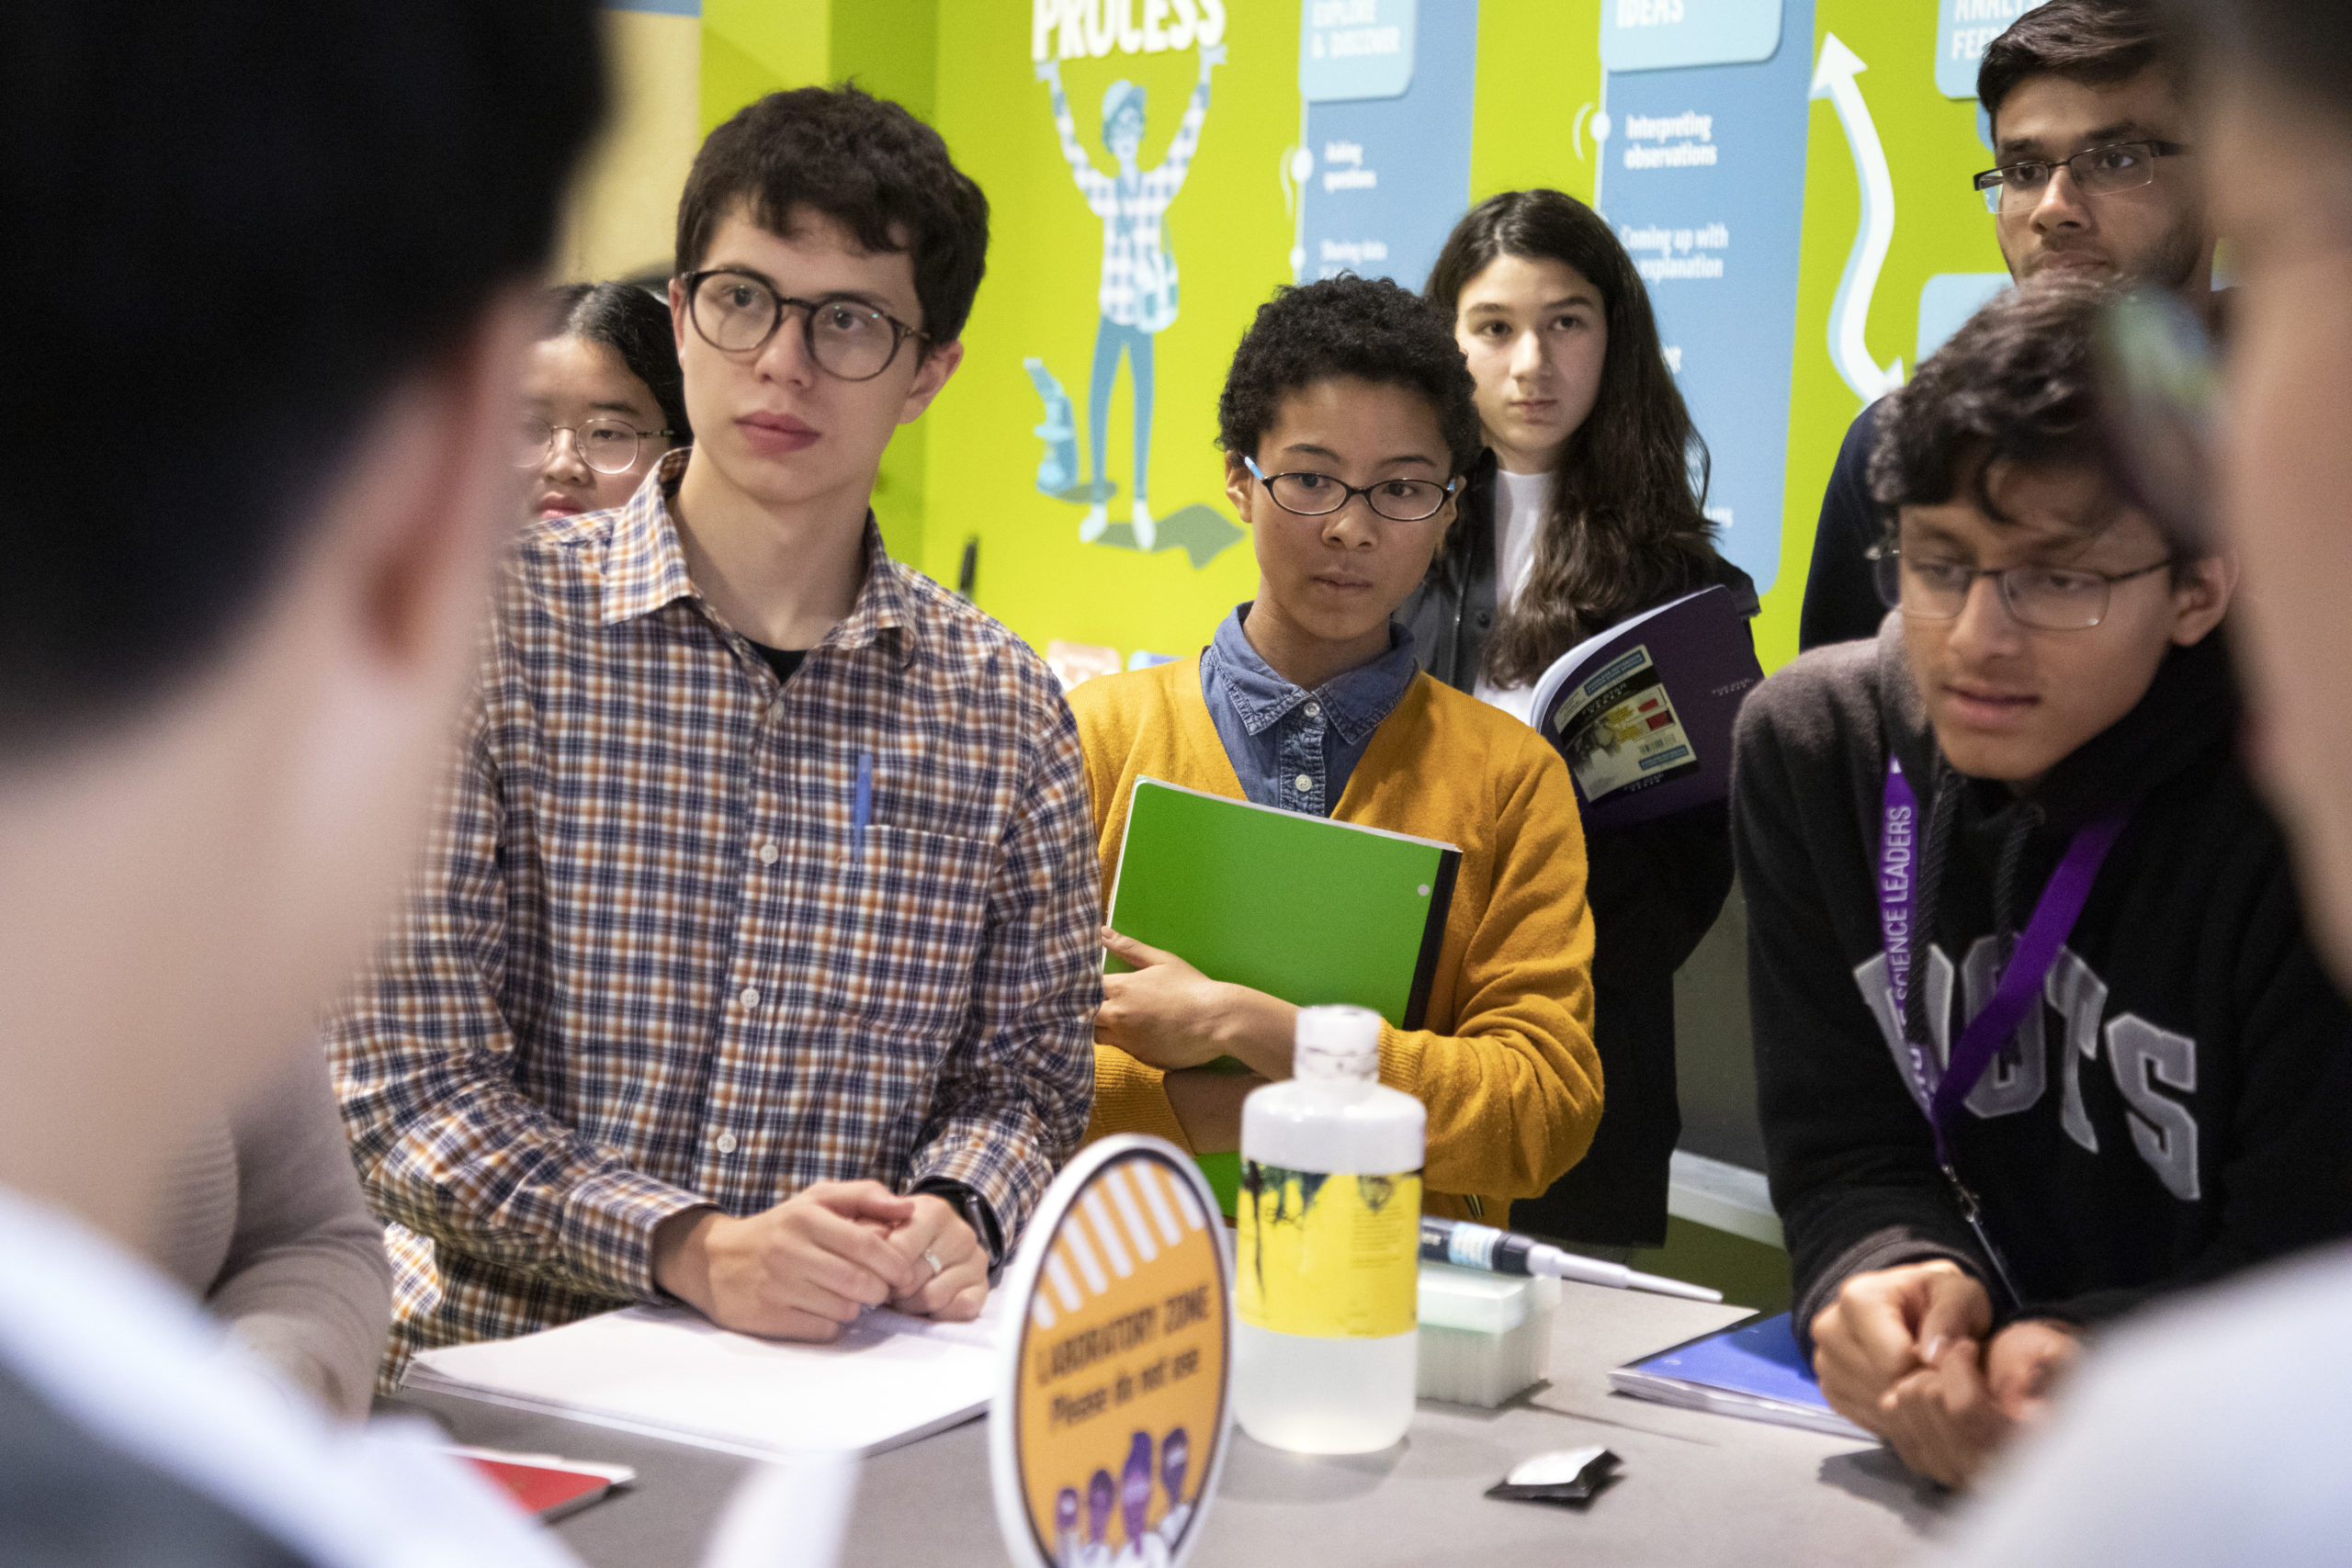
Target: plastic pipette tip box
point(1484, 1338)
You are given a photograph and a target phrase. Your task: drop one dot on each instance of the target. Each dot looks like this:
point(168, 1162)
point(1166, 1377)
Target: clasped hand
point(806, 1267)
point(1169, 1015)
point(1903, 1352)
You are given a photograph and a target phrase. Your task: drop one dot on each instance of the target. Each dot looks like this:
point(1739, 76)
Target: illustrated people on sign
point(1138, 292)
point(1101, 1491)
point(1143, 1549)
point(1175, 1453)
point(1065, 1528)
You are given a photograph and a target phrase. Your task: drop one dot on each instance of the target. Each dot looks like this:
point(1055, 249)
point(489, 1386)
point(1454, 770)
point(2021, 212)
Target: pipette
point(1468, 1246)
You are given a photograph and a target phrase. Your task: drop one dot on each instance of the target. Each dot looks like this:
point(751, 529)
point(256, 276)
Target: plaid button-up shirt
point(660, 955)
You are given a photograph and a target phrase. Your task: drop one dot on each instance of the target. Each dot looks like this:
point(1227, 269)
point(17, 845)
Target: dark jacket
point(2180, 1108)
point(1655, 889)
point(1841, 600)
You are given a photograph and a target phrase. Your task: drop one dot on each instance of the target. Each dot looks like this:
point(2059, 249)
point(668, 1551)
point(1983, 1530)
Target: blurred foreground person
point(283, 259)
point(2218, 1434)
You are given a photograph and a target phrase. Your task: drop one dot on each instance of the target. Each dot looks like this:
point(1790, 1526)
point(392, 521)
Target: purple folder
point(1643, 712)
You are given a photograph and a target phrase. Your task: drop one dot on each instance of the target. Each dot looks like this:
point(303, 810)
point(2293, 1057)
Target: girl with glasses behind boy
point(603, 398)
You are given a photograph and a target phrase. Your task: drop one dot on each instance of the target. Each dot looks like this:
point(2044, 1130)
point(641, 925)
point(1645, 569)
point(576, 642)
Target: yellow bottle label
point(1331, 1256)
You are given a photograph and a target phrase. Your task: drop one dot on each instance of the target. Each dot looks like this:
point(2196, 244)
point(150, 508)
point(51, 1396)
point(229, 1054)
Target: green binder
point(1302, 908)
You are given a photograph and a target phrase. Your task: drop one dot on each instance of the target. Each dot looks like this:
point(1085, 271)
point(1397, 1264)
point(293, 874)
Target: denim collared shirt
point(1290, 748)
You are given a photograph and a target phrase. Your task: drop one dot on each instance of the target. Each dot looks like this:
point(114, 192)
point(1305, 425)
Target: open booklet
point(1643, 712)
point(670, 1372)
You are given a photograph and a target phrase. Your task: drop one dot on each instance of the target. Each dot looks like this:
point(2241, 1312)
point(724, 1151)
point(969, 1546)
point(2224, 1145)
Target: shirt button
point(1302, 783)
point(768, 854)
point(1315, 710)
point(724, 1143)
point(751, 997)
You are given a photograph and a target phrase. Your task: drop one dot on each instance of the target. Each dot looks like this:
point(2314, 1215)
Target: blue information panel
point(1962, 30)
point(1663, 35)
point(1385, 169)
point(1700, 174)
point(1947, 300)
point(1354, 49)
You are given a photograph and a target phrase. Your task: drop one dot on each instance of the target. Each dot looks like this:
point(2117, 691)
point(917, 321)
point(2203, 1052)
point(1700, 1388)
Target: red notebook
point(546, 1484)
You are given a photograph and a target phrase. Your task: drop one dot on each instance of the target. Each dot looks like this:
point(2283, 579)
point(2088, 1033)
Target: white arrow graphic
point(1833, 78)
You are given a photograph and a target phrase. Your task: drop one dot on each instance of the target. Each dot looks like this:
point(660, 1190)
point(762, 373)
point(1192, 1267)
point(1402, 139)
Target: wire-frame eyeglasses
point(607, 446)
point(2046, 598)
point(2096, 171)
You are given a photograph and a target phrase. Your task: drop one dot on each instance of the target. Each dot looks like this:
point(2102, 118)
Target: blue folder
point(1752, 1369)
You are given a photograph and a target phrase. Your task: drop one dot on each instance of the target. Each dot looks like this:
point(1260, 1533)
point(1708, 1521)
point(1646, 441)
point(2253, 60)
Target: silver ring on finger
point(937, 1268)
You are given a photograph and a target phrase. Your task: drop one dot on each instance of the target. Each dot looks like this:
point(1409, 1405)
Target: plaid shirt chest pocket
point(910, 913)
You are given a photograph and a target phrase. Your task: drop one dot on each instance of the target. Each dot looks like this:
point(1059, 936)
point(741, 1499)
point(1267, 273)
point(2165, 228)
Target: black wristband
point(976, 1214)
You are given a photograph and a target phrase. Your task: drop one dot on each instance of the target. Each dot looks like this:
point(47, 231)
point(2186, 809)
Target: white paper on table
point(669, 1373)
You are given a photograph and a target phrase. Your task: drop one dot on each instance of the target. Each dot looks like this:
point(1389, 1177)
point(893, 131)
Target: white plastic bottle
point(1327, 1246)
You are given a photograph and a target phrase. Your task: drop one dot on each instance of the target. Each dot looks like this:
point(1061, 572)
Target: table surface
point(1694, 1489)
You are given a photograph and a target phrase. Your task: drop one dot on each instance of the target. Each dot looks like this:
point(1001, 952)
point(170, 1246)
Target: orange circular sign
point(1108, 1428)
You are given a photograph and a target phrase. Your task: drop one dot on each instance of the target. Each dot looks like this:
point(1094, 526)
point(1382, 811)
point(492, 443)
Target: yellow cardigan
point(1506, 1066)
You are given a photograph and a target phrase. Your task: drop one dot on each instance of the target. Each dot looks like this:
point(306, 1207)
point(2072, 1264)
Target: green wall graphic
point(1892, 249)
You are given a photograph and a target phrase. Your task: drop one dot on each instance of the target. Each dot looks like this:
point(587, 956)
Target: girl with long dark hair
point(1587, 510)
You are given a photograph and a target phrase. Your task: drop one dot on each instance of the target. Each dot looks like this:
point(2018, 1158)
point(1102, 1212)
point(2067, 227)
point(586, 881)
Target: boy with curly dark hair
point(754, 960)
point(1347, 422)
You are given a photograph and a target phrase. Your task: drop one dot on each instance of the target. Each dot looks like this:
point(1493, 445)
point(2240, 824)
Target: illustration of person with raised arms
point(1138, 293)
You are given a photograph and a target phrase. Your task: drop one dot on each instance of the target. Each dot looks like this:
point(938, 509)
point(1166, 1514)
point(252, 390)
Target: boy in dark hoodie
point(2022, 801)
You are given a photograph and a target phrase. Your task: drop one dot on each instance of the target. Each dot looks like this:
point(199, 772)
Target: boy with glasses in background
point(1348, 419)
point(2094, 174)
point(2040, 1032)
point(754, 959)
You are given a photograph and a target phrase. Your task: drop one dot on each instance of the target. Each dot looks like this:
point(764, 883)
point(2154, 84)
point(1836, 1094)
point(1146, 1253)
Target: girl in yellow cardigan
point(1347, 419)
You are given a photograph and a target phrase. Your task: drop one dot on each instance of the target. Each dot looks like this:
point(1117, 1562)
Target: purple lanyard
point(2046, 929)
